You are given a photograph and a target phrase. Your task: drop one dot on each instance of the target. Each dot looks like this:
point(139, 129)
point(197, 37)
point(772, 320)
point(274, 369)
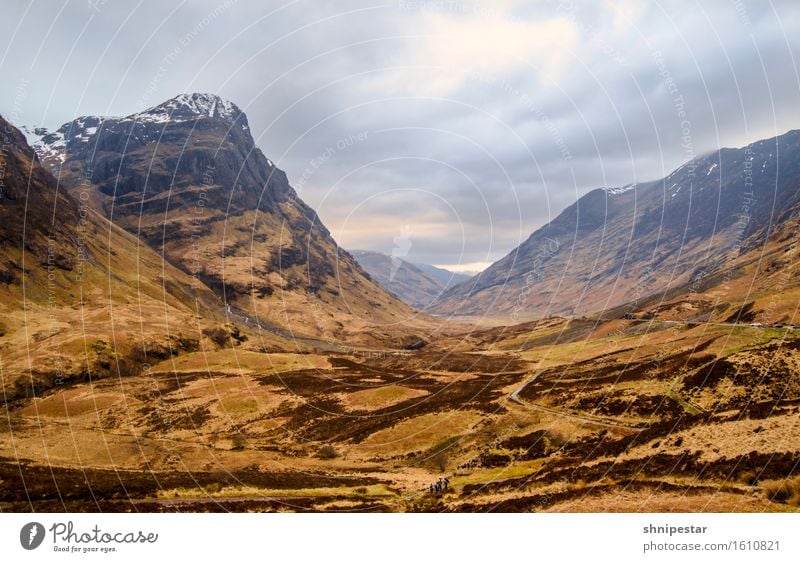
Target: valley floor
point(561, 415)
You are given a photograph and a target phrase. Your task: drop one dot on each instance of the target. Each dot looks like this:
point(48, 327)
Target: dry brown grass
point(381, 397)
point(419, 433)
point(240, 361)
point(784, 491)
point(327, 452)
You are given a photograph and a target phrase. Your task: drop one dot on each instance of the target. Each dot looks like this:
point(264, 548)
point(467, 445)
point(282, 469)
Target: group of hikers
point(440, 485)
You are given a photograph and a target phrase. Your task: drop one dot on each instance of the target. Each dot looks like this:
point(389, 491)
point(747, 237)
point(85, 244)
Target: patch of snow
point(182, 108)
point(619, 190)
point(33, 136)
point(149, 116)
point(186, 107)
point(50, 145)
point(711, 169)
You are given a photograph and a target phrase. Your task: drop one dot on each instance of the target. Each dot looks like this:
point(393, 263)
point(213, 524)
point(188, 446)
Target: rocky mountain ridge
point(187, 178)
point(621, 244)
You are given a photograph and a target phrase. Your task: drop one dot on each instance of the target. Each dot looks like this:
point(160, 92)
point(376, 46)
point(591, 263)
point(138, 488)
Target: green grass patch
point(497, 474)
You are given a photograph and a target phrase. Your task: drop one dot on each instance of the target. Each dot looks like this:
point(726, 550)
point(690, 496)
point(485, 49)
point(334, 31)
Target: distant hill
point(416, 284)
point(407, 281)
point(445, 277)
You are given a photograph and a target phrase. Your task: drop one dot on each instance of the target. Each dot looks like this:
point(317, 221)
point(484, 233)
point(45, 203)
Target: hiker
point(446, 482)
point(438, 487)
point(431, 488)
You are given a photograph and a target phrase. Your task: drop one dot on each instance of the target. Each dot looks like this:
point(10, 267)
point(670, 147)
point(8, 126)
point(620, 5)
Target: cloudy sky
point(450, 127)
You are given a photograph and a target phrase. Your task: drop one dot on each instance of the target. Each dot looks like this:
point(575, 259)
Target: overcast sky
point(457, 128)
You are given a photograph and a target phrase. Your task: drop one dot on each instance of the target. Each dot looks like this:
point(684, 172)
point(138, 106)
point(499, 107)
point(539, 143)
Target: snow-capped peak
point(53, 146)
point(186, 107)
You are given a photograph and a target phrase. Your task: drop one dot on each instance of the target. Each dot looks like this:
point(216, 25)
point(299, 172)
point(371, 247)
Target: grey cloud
point(500, 155)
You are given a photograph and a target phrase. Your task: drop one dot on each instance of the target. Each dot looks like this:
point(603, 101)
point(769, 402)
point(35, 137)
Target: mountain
point(80, 297)
point(417, 284)
point(759, 284)
point(445, 277)
point(186, 177)
point(404, 279)
point(622, 244)
point(38, 222)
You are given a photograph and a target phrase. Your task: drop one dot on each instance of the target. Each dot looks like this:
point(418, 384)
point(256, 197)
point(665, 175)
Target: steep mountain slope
point(187, 178)
point(618, 245)
point(80, 298)
point(402, 278)
point(36, 217)
point(759, 285)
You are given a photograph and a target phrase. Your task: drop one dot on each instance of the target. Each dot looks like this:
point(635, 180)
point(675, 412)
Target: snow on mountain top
point(45, 143)
point(33, 135)
point(619, 190)
point(181, 108)
point(185, 107)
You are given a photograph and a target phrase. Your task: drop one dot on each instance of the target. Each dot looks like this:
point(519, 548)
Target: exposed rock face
point(617, 245)
point(192, 154)
point(187, 178)
point(58, 244)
